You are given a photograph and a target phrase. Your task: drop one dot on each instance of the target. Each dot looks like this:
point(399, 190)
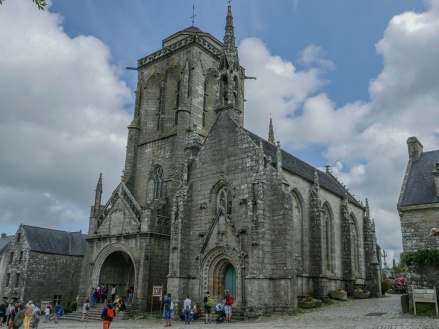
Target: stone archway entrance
point(115, 266)
point(220, 272)
point(117, 269)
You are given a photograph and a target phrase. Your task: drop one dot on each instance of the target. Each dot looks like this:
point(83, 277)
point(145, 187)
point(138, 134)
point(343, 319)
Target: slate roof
point(421, 188)
point(55, 242)
point(4, 242)
point(300, 168)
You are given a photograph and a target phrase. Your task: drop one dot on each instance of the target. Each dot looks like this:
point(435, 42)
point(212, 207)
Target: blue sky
point(347, 82)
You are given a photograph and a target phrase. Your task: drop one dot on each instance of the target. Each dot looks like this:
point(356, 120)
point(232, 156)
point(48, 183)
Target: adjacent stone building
point(418, 203)
point(205, 204)
point(42, 265)
point(418, 208)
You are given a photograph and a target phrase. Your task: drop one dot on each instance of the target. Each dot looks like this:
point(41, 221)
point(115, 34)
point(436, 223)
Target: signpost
point(425, 296)
point(157, 291)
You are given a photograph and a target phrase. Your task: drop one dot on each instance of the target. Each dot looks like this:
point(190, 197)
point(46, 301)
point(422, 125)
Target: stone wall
point(416, 223)
point(50, 275)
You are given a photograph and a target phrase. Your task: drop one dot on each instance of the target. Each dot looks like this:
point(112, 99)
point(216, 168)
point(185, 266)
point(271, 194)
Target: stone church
point(205, 204)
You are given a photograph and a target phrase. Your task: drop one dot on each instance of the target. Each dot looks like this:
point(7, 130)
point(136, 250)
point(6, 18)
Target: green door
point(230, 280)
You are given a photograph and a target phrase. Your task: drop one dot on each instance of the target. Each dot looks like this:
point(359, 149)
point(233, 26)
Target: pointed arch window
point(225, 201)
point(154, 189)
point(235, 91)
point(354, 245)
point(298, 228)
point(225, 88)
point(328, 237)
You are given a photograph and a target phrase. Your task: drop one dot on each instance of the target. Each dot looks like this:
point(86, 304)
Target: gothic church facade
point(205, 204)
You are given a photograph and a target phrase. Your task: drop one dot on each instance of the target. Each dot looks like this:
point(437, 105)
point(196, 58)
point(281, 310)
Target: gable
point(420, 188)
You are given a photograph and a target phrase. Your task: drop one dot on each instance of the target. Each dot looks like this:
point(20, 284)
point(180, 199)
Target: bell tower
point(181, 90)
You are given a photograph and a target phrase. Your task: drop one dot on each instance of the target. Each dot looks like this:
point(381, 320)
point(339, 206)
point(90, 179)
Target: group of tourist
point(15, 314)
point(191, 311)
point(111, 306)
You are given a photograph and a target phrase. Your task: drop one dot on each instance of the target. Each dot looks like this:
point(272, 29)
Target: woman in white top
point(85, 309)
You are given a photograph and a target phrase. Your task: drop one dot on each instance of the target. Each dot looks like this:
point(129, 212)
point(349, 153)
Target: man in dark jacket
point(107, 315)
point(19, 316)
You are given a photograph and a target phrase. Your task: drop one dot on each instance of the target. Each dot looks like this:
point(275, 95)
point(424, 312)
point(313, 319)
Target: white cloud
point(314, 55)
point(61, 119)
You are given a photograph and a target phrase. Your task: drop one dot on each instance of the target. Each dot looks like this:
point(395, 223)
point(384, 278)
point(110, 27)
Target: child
point(36, 320)
point(47, 313)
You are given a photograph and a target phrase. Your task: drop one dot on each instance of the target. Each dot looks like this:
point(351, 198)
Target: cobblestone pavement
point(354, 313)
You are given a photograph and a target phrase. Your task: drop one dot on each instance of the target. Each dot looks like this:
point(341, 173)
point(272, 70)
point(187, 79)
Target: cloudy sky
point(346, 83)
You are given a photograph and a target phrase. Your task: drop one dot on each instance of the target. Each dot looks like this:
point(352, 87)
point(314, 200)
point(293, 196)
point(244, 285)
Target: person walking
point(207, 307)
point(187, 310)
point(228, 301)
point(168, 310)
point(113, 293)
point(85, 309)
point(107, 315)
point(10, 312)
point(47, 313)
point(28, 314)
point(19, 316)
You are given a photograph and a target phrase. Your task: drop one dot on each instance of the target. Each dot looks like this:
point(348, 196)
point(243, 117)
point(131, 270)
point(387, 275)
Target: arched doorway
point(115, 265)
point(117, 269)
point(220, 272)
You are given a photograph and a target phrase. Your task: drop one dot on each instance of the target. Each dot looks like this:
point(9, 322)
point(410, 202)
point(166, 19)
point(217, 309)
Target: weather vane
point(229, 1)
point(193, 15)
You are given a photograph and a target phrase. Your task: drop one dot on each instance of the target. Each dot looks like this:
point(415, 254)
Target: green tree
point(40, 3)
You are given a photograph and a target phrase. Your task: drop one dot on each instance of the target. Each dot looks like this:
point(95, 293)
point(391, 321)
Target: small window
point(17, 280)
point(11, 257)
point(57, 300)
point(18, 237)
point(21, 257)
point(8, 279)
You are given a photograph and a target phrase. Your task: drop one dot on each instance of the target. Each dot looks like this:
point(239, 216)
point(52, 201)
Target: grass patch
point(426, 309)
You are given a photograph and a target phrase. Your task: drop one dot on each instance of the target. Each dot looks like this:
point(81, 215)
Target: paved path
point(341, 315)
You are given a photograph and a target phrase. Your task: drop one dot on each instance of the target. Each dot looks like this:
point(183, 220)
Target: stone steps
point(94, 314)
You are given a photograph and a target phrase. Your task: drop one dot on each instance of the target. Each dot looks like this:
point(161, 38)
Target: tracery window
point(225, 201)
point(354, 245)
point(328, 234)
point(154, 189)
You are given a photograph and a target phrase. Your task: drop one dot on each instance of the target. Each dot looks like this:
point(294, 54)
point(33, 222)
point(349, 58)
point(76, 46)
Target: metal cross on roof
point(193, 15)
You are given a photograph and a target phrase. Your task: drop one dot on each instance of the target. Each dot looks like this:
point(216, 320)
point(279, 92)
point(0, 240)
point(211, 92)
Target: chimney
point(3, 235)
point(415, 148)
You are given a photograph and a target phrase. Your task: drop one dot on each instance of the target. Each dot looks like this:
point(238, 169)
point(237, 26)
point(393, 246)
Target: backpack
point(230, 299)
point(86, 307)
point(110, 313)
point(209, 301)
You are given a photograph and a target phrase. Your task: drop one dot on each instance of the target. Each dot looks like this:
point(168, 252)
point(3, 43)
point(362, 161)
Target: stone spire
point(98, 195)
point(271, 132)
point(229, 36)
